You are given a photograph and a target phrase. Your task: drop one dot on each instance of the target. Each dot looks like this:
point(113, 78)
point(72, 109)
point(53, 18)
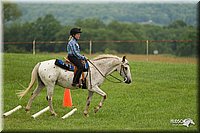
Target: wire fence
point(105, 46)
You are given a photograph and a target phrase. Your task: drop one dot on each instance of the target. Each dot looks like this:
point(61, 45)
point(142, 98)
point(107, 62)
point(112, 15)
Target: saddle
point(67, 65)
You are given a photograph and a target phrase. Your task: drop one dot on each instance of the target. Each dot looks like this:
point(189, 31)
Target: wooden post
point(147, 50)
point(90, 47)
point(33, 47)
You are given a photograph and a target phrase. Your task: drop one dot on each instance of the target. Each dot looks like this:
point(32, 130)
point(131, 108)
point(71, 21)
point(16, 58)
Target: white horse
point(48, 75)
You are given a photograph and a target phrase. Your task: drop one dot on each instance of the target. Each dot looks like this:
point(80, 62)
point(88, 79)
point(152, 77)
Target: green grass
point(160, 92)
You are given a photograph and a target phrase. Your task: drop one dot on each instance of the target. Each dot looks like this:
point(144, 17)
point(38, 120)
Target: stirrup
point(77, 85)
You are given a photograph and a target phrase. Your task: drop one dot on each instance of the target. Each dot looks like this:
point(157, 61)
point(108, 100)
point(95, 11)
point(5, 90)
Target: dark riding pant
point(77, 62)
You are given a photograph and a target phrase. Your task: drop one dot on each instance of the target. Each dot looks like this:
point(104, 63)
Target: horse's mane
point(104, 56)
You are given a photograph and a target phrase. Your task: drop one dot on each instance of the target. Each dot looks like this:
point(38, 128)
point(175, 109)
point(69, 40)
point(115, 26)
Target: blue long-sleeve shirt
point(74, 49)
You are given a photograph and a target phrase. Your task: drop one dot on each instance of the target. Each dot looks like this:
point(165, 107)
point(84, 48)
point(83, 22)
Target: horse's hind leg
point(50, 89)
point(34, 94)
point(103, 94)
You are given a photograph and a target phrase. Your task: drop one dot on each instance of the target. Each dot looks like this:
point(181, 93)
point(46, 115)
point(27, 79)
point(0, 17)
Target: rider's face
point(77, 36)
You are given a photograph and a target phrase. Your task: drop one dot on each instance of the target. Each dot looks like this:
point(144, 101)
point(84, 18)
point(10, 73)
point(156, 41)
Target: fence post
point(147, 52)
point(90, 47)
point(33, 47)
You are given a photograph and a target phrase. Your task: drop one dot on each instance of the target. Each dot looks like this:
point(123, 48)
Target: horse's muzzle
point(127, 80)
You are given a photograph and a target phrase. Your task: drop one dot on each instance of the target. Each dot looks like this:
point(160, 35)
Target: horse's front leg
point(103, 94)
point(90, 94)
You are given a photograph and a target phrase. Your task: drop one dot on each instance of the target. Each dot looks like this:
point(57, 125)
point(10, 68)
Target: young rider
point(74, 55)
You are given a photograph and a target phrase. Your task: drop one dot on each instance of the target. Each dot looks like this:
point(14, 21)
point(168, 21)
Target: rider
point(74, 55)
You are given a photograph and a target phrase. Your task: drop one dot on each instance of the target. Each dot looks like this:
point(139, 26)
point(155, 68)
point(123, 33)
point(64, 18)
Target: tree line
point(157, 13)
point(48, 28)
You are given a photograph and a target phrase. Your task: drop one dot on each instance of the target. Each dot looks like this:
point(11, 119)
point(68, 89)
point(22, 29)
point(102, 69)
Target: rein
point(119, 80)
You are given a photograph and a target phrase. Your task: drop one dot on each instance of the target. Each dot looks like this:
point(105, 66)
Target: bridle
point(123, 69)
point(119, 80)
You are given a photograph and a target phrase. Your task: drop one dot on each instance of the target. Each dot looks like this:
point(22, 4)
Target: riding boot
point(84, 83)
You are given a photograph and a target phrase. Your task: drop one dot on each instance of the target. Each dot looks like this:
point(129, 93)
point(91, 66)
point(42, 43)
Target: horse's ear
point(123, 58)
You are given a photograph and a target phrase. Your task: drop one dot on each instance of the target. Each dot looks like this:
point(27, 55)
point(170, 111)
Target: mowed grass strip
point(159, 93)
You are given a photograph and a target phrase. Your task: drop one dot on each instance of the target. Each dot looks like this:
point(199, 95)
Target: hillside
point(68, 13)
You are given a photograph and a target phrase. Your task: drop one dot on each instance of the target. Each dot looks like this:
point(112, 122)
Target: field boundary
point(149, 58)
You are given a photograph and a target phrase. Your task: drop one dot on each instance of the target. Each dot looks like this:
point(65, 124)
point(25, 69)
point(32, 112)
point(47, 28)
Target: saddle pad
point(61, 64)
point(69, 67)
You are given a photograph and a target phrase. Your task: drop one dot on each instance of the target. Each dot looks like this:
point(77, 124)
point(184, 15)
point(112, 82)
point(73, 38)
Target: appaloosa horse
point(48, 75)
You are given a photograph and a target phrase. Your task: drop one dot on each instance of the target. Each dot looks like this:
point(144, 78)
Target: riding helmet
point(74, 31)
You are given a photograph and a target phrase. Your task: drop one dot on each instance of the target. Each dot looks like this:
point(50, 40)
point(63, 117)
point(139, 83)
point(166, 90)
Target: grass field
point(161, 92)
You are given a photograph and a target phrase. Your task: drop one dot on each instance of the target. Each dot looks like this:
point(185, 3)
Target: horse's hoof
point(86, 114)
point(54, 114)
point(27, 110)
point(96, 109)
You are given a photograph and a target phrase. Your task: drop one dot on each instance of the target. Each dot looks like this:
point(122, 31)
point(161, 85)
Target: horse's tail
point(34, 75)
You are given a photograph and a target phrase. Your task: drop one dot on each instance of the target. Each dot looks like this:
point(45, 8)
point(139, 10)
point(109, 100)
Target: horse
point(48, 75)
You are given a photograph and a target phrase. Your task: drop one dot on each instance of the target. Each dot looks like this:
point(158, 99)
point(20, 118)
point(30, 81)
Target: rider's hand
point(85, 58)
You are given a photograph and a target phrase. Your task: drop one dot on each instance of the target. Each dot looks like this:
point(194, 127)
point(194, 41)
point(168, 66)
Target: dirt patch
point(162, 58)
point(158, 58)
point(152, 58)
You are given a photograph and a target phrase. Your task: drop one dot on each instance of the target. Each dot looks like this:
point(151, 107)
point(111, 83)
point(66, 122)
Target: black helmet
point(74, 31)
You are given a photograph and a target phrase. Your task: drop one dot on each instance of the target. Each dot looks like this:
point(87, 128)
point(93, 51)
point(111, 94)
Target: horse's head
point(124, 70)
point(111, 63)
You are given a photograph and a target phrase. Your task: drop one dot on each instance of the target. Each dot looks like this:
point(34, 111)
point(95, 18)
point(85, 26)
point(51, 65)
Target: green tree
point(11, 12)
point(90, 23)
point(45, 29)
point(177, 24)
point(48, 29)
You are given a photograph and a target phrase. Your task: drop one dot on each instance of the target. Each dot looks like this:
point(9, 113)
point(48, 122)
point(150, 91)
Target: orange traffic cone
point(67, 100)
